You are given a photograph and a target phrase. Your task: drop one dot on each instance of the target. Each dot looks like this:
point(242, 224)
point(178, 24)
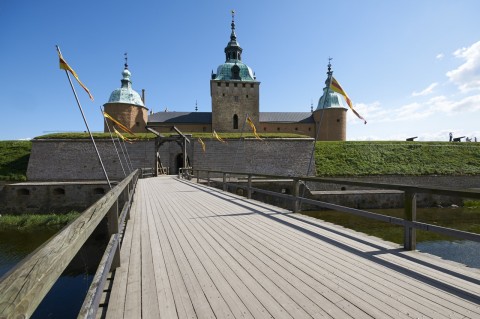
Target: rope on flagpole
point(86, 124)
point(113, 141)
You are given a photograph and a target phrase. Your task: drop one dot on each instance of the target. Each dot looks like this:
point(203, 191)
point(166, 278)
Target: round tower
point(330, 116)
point(234, 90)
point(126, 105)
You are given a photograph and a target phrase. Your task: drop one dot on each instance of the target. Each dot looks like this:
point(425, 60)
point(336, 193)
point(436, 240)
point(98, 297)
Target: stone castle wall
point(66, 160)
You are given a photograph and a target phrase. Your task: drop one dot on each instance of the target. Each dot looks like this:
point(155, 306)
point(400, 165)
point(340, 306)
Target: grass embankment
point(396, 158)
point(14, 157)
point(31, 222)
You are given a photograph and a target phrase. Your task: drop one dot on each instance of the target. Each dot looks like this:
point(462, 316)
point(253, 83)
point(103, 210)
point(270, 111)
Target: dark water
point(66, 296)
point(462, 251)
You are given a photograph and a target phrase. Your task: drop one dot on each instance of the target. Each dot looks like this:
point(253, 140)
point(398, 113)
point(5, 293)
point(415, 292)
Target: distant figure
point(475, 139)
point(468, 139)
point(451, 136)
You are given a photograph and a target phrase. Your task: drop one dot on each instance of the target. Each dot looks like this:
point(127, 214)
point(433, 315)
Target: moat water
point(66, 296)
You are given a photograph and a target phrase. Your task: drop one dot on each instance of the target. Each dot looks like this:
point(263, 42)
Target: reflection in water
point(66, 296)
point(463, 251)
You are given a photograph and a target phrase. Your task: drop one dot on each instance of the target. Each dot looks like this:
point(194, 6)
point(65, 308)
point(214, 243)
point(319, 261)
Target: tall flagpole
point(86, 124)
point(113, 141)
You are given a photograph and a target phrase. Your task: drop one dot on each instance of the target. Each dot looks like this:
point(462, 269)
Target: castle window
point(204, 129)
point(219, 84)
point(278, 129)
point(223, 94)
point(296, 129)
point(264, 128)
point(227, 84)
point(23, 191)
point(251, 85)
point(243, 84)
point(309, 129)
point(138, 123)
point(59, 191)
point(98, 191)
point(236, 98)
point(247, 96)
point(235, 84)
point(235, 122)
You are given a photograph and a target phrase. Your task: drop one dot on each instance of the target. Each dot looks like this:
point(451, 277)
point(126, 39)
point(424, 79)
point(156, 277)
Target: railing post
point(224, 182)
point(113, 228)
point(208, 178)
point(198, 176)
point(296, 194)
point(249, 186)
point(410, 234)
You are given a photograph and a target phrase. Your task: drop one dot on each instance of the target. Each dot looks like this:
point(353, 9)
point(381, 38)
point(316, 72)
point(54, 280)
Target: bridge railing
point(409, 222)
point(24, 287)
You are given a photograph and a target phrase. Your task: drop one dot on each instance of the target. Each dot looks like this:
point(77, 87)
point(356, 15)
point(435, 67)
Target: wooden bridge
point(193, 251)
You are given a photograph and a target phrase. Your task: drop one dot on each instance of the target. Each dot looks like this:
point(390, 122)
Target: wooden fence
point(410, 207)
point(24, 287)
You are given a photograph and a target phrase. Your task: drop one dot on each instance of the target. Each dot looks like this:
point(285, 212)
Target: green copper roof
point(234, 70)
point(126, 94)
point(330, 99)
point(333, 100)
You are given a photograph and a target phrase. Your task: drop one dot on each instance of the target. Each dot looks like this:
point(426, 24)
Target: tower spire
point(126, 60)
point(233, 51)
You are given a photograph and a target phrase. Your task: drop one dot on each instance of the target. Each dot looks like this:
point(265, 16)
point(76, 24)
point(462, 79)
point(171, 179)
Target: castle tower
point(330, 116)
point(126, 105)
point(234, 90)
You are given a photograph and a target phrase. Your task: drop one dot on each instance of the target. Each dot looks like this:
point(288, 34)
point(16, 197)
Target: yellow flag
point(123, 127)
point(121, 136)
point(202, 143)
point(218, 137)
point(254, 129)
point(64, 66)
point(336, 87)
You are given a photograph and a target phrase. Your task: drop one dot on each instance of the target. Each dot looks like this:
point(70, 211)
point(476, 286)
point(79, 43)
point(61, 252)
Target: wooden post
point(410, 234)
point(224, 182)
point(208, 178)
point(113, 227)
point(198, 176)
point(249, 186)
point(296, 193)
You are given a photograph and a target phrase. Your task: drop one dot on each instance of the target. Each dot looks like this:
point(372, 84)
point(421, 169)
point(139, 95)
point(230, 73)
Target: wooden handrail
point(25, 286)
point(409, 222)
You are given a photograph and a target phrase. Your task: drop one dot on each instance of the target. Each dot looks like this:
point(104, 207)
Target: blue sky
point(411, 68)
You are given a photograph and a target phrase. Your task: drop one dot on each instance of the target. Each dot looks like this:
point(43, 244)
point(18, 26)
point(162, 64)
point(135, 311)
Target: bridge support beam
point(410, 233)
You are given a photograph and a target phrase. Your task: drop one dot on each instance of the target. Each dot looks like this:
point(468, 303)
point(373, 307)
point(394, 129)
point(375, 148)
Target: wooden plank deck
point(192, 251)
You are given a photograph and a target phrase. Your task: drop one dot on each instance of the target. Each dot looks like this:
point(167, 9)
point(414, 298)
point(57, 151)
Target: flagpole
point(128, 156)
point(124, 156)
point(113, 141)
point(86, 124)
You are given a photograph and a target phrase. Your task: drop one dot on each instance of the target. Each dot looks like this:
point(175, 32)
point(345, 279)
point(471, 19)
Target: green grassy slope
point(14, 157)
point(332, 158)
point(397, 158)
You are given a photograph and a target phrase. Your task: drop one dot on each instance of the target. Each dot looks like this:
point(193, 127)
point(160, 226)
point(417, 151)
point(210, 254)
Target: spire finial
point(126, 60)
point(329, 65)
point(233, 36)
point(196, 106)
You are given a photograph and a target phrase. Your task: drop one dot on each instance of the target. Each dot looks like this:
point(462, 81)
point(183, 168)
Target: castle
point(235, 93)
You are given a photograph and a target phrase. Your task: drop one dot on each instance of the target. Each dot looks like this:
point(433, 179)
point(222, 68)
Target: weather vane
point(126, 59)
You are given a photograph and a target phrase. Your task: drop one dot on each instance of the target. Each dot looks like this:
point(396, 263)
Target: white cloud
point(426, 91)
point(440, 56)
point(467, 75)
